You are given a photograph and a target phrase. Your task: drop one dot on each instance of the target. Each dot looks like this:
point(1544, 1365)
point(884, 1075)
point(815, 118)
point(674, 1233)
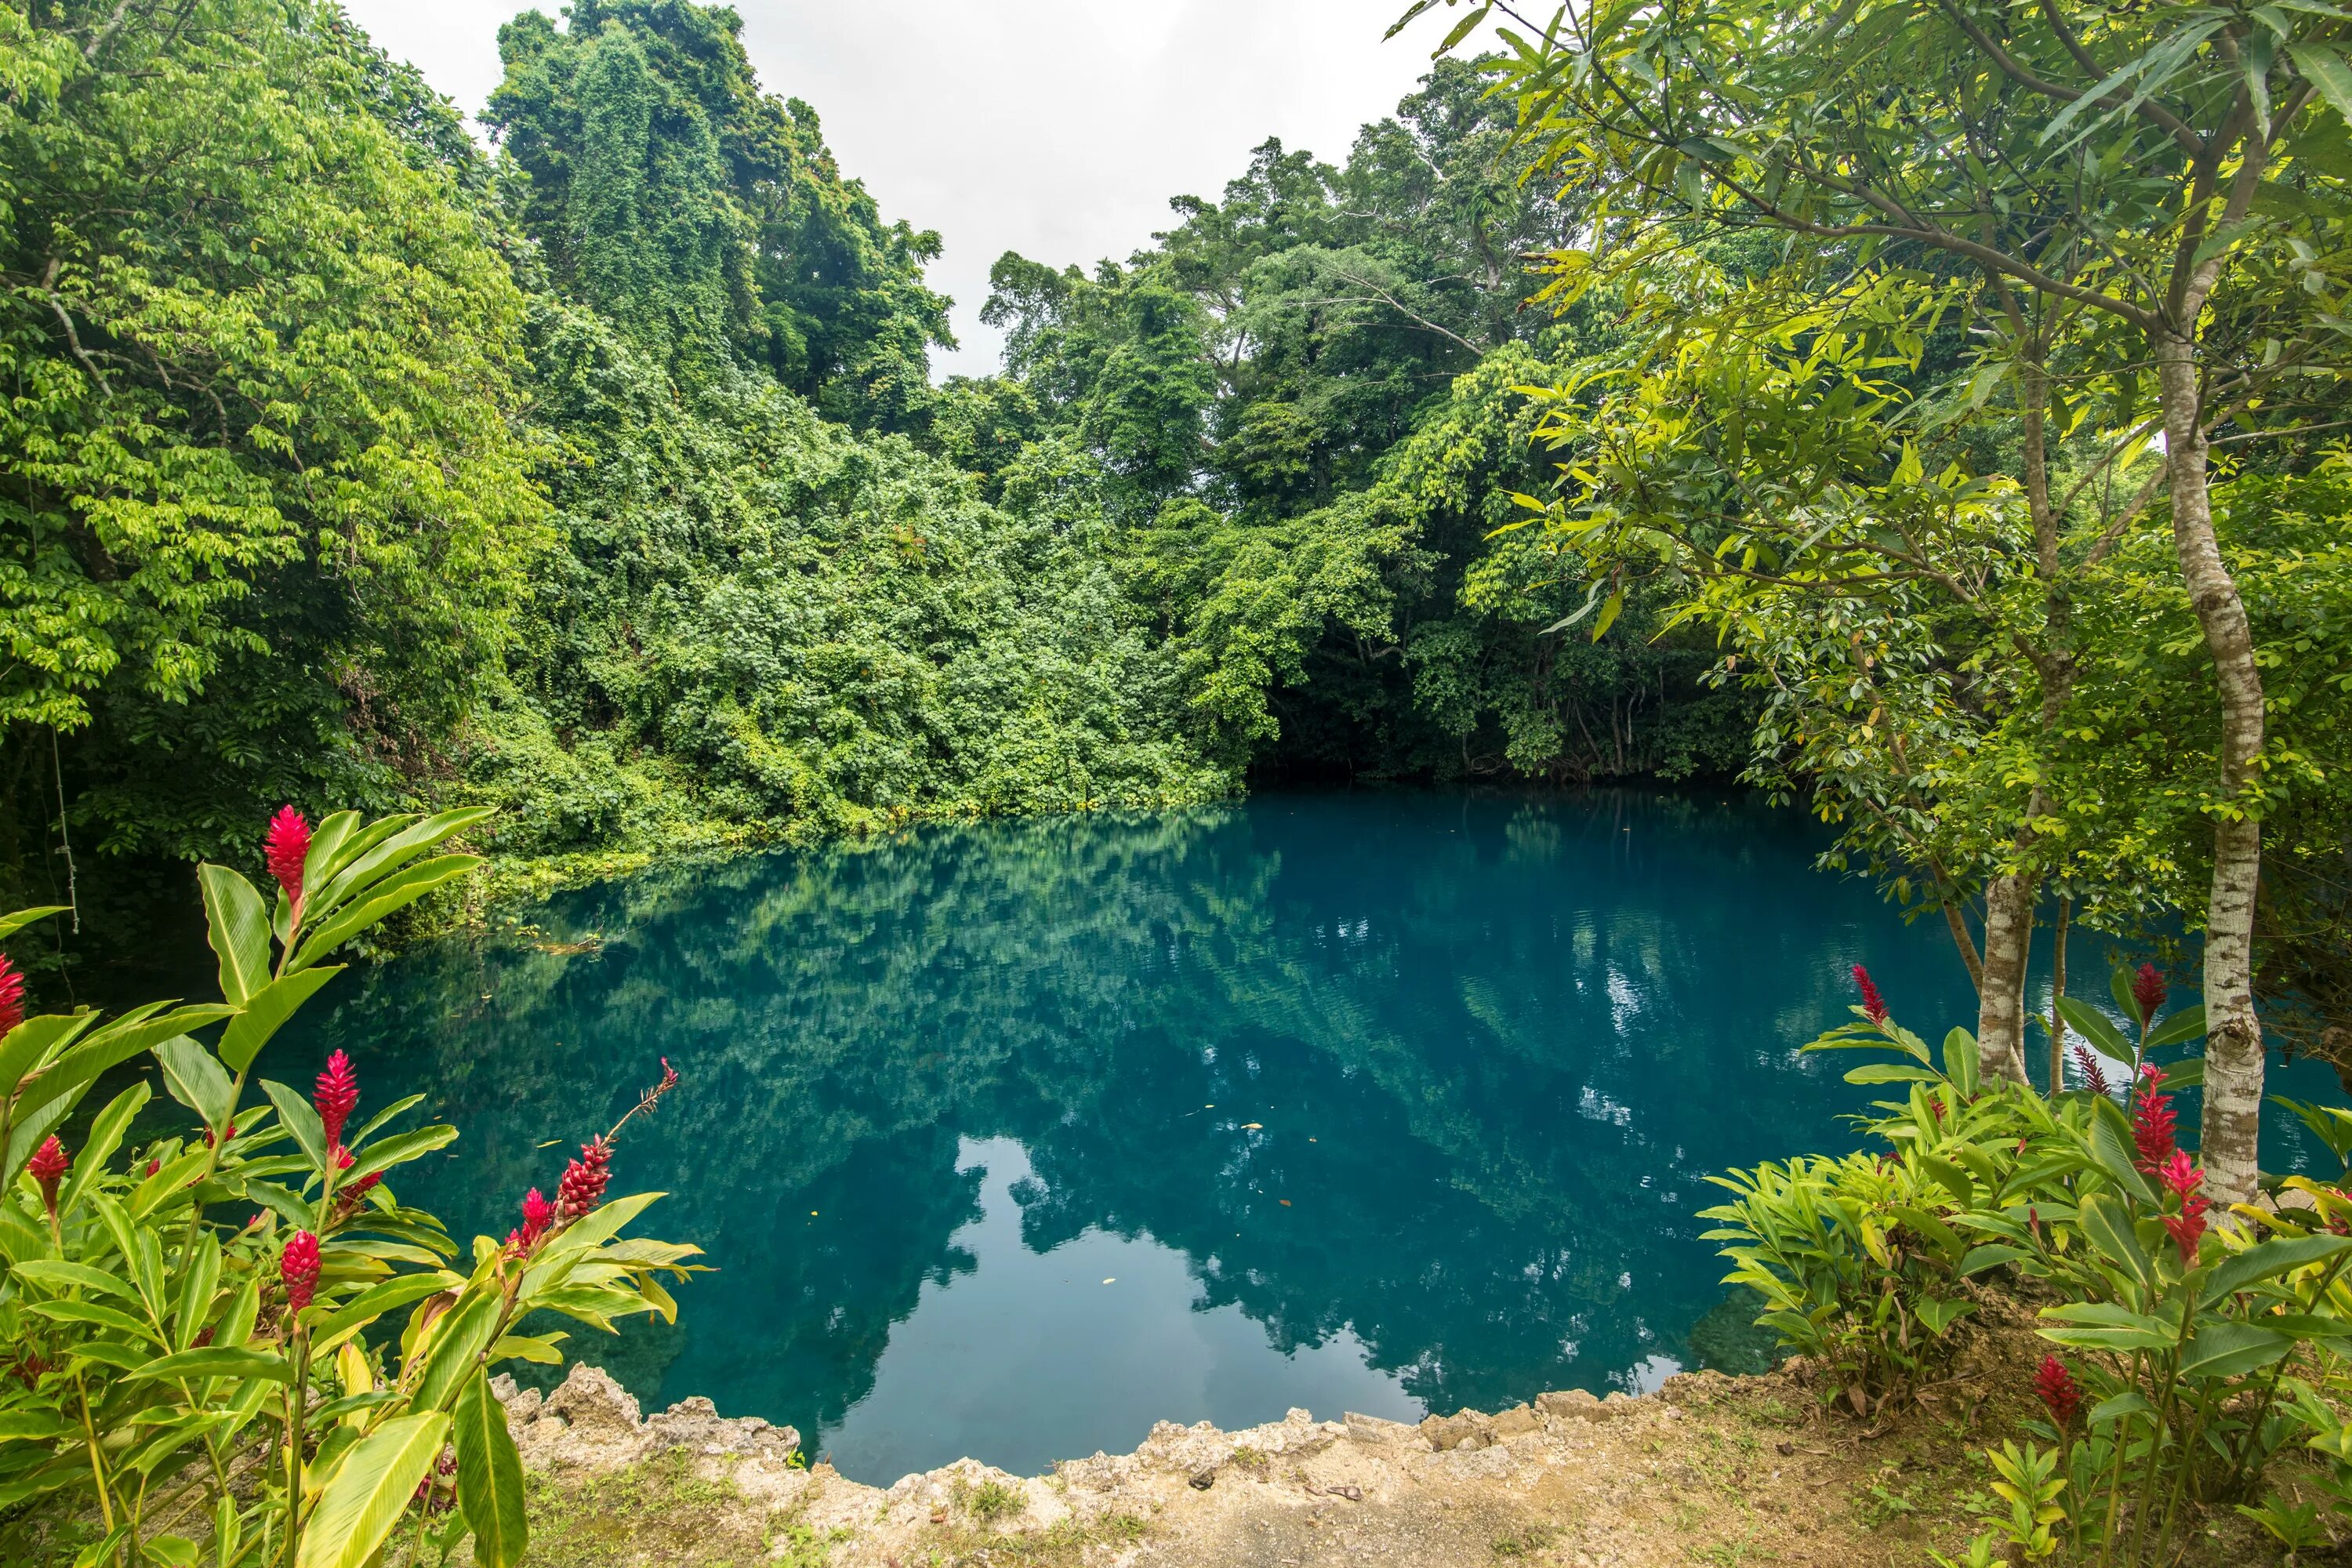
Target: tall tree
point(267, 505)
point(707, 218)
point(2119, 168)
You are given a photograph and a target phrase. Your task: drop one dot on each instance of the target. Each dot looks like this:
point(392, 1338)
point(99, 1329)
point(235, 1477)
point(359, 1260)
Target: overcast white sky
point(1056, 128)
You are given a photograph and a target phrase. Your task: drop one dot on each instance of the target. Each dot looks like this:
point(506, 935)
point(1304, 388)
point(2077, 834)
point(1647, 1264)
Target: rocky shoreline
point(1567, 1479)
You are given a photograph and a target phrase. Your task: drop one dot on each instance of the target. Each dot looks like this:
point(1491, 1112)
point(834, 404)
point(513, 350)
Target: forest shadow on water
point(1009, 1139)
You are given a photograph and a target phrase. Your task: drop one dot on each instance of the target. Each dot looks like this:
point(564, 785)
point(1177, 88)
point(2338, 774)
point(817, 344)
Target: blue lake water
point(1009, 1139)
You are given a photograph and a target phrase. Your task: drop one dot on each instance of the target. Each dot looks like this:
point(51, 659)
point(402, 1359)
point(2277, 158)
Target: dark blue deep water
point(1009, 1139)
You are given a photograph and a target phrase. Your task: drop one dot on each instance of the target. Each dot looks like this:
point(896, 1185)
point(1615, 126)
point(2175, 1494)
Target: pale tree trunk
point(2058, 994)
point(2233, 1036)
point(2000, 998)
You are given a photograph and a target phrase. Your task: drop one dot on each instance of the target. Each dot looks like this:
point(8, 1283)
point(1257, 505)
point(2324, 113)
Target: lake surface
point(1011, 1140)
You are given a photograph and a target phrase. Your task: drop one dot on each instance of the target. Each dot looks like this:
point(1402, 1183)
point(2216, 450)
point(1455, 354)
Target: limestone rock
point(1519, 1420)
point(1462, 1429)
point(1373, 1429)
point(695, 1423)
point(1575, 1403)
point(1186, 1450)
point(593, 1423)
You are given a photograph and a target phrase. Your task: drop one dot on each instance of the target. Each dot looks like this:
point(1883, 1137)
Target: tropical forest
point(1631, 798)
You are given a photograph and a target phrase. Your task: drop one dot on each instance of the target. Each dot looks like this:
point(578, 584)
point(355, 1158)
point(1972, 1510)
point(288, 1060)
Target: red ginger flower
point(2094, 1078)
point(2148, 990)
point(2155, 1125)
point(2180, 1176)
point(338, 1092)
point(582, 1186)
point(48, 1168)
point(2059, 1393)
point(538, 1213)
point(12, 995)
point(297, 1265)
point(1873, 1006)
point(285, 847)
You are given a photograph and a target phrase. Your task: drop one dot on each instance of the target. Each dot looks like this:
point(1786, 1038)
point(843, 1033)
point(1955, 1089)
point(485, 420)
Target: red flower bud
point(12, 995)
point(1873, 1006)
point(582, 1187)
point(285, 847)
point(338, 1093)
point(2148, 990)
point(48, 1167)
point(2093, 1078)
point(297, 1267)
point(2155, 1124)
point(2060, 1394)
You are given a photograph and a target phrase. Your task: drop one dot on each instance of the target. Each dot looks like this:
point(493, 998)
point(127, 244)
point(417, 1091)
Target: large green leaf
point(2096, 1027)
point(1892, 1072)
point(105, 1137)
point(196, 1079)
point(2189, 1023)
point(2267, 1260)
point(2112, 1152)
point(2109, 1226)
point(239, 932)
point(18, 920)
point(34, 1041)
point(2223, 1347)
point(490, 1476)
point(218, 1361)
point(371, 1491)
point(375, 854)
point(268, 1011)
point(2326, 70)
point(301, 1119)
point(394, 892)
point(459, 1340)
point(398, 1150)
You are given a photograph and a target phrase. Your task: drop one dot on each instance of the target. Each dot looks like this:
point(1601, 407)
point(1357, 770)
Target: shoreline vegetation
point(1933, 412)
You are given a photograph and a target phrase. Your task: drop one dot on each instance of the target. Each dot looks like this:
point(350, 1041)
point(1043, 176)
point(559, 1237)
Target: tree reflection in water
point(1489, 1045)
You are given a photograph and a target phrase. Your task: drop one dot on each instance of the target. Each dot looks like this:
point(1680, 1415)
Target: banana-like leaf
point(396, 893)
point(239, 928)
point(105, 1137)
point(2267, 1260)
point(371, 1491)
point(2096, 1027)
point(456, 1350)
point(36, 1041)
point(196, 1079)
point(301, 1119)
point(2189, 1023)
point(397, 1151)
point(267, 1011)
point(2223, 1347)
point(18, 920)
point(490, 1476)
point(2107, 1224)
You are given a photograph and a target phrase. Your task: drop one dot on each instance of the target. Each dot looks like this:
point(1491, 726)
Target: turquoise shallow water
point(1008, 1141)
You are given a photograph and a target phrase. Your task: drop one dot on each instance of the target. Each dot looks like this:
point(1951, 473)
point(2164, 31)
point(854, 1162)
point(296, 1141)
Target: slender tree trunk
point(2000, 1000)
point(2233, 1036)
point(2057, 994)
point(2009, 898)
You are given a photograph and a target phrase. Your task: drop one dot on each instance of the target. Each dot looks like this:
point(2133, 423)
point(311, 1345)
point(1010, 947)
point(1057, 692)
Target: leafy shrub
point(201, 1361)
point(2201, 1351)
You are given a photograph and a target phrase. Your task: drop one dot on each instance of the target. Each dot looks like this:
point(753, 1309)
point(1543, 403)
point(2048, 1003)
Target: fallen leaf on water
point(1112, 1280)
point(1253, 1126)
point(1286, 1202)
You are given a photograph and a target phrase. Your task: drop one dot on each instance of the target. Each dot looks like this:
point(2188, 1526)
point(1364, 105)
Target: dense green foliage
point(601, 477)
point(193, 1377)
